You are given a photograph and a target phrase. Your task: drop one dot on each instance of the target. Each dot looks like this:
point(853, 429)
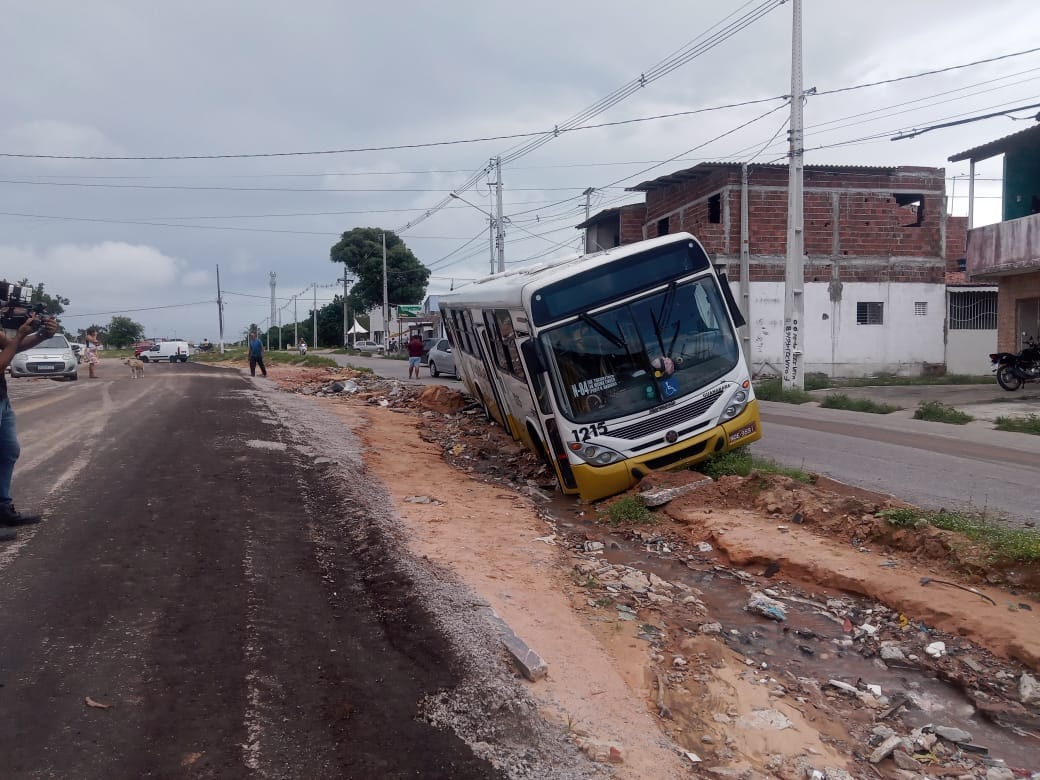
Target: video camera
point(16, 308)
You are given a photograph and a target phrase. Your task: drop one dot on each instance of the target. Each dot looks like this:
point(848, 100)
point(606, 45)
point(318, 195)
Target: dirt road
point(214, 592)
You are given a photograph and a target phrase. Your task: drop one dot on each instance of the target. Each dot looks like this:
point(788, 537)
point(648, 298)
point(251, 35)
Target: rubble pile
point(895, 725)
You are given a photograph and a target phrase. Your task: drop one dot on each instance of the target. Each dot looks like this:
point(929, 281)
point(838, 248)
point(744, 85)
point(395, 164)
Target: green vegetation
point(842, 401)
point(285, 358)
point(741, 462)
point(887, 380)
point(629, 510)
point(1029, 424)
point(936, 411)
point(772, 390)
point(1013, 544)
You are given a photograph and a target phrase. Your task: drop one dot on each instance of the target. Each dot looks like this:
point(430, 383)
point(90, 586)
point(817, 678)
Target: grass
point(740, 462)
point(1029, 424)
point(936, 411)
point(886, 380)
point(842, 401)
point(1014, 544)
point(772, 390)
point(275, 357)
point(629, 510)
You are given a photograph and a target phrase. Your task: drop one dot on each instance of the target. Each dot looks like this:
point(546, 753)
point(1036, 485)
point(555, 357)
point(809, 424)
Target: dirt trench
point(756, 627)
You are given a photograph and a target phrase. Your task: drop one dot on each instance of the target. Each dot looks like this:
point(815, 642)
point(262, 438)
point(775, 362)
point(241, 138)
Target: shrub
point(1030, 424)
point(630, 509)
point(936, 411)
point(772, 390)
point(842, 401)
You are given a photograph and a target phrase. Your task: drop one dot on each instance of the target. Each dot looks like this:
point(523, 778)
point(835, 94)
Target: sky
point(144, 238)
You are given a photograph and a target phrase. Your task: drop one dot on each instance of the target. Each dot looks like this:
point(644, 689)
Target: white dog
point(136, 368)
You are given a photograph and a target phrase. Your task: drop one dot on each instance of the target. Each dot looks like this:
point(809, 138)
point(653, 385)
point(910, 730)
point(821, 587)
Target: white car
point(441, 359)
point(369, 346)
point(52, 358)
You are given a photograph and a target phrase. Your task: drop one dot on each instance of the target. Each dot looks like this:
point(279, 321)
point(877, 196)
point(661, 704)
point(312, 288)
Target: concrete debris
point(952, 734)
point(884, 750)
point(1028, 689)
point(636, 580)
point(661, 496)
point(601, 751)
point(936, 649)
point(765, 720)
point(892, 653)
point(761, 604)
point(591, 546)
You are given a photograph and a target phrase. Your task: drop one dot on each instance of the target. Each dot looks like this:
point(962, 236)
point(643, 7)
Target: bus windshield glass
point(643, 353)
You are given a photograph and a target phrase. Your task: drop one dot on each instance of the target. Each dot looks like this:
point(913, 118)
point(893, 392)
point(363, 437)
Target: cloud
point(50, 136)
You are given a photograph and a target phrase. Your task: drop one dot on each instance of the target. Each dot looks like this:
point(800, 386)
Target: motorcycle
point(1013, 370)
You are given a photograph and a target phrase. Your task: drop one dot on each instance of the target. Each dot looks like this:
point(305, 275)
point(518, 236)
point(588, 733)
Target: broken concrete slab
point(661, 496)
point(531, 665)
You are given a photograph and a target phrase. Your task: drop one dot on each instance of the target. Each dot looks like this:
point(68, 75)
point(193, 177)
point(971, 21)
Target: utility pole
point(314, 317)
point(500, 221)
point(220, 312)
point(745, 263)
point(346, 281)
point(794, 276)
point(588, 205)
point(295, 323)
point(279, 330)
point(386, 300)
point(274, 312)
point(491, 241)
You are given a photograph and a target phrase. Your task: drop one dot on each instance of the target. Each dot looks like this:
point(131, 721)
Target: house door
point(1027, 320)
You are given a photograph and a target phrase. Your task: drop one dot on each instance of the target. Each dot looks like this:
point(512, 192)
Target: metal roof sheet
point(1028, 137)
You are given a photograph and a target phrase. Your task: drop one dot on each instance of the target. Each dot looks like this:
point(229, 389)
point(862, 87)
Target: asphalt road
point(934, 465)
point(198, 575)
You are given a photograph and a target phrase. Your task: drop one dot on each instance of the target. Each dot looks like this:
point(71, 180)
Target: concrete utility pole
point(794, 276)
point(386, 300)
point(346, 281)
point(314, 317)
point(279, 330)
point(500, 221)
point(274, 311)
point(588, 205)
point(745, 263)
point(220, 312)
point(295, 323)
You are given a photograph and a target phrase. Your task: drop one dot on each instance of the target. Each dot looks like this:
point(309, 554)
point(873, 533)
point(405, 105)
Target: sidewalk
point(984, 402)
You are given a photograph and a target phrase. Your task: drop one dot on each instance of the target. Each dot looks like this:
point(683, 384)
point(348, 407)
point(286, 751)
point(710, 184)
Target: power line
point(146, 308)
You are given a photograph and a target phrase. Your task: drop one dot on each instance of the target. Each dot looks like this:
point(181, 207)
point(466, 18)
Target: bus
point(610, 366)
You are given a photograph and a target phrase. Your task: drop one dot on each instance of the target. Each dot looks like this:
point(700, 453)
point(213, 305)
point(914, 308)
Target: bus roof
point(506, 288)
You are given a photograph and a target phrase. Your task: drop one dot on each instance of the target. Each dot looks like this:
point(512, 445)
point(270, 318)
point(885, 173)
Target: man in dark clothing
point(10, 449)
point(414, 355)
point(256, 354)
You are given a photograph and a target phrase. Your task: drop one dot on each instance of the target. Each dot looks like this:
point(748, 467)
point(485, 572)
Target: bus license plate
point(747, 430)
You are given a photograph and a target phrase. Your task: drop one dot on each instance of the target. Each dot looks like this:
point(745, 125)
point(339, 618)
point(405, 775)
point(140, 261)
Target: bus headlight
point(595, 454)
point(736, 404)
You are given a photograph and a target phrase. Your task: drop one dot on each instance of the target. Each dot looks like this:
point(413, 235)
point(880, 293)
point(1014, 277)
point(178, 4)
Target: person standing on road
point(92, 347)
point(23, 338)
point(414, 355)
point(256, 354)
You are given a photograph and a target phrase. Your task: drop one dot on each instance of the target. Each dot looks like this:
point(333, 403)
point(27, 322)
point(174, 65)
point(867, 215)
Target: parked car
point(441, 359)
point(426, 344)
point(369, 346)
point(77, 350)
point(166, 350)
point(52, 358)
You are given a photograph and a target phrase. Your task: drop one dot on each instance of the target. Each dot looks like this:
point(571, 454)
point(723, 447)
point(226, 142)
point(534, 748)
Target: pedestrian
point(92, 350)
point(414, 355)
point(256, 354)
point(23, 338)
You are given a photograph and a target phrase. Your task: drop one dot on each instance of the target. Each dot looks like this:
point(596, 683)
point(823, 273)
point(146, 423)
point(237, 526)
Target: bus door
point(547, 437)
point(493, 379)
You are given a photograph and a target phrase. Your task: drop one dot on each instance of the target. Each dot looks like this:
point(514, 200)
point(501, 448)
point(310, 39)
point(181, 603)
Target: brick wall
point(632, 221)
point(1010, 290)
point(852, 217)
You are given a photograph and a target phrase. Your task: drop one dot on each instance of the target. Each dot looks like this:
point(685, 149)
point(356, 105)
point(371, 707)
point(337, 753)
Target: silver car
point(52, 358)
point(441, 359)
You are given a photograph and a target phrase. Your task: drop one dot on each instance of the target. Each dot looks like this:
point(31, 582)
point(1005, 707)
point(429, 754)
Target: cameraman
point(29, 334)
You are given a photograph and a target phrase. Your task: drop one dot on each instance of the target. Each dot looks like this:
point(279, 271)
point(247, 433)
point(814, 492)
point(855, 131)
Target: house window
point(662, 227)
point(870, 313)
point(921, 308)
point(973, 310)
point(913, 203)
point(715, 209)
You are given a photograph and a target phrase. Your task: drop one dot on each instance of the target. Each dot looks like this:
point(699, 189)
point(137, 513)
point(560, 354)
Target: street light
point(492, 224)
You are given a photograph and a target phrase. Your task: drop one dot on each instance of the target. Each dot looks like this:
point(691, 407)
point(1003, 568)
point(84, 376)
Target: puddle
point(808, 643)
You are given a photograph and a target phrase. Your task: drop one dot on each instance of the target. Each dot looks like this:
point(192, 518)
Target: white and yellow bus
point(611, 365)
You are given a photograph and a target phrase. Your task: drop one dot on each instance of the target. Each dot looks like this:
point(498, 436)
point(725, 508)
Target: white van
point(167, 350)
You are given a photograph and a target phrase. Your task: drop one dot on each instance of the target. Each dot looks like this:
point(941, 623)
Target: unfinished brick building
point(878, 248)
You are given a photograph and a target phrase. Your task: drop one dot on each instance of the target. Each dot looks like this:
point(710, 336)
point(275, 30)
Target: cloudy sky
point(143, 238)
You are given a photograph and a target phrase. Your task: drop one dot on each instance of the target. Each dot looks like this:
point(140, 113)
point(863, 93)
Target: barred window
point(973, 310)
point(921, 308)
point(870, 313)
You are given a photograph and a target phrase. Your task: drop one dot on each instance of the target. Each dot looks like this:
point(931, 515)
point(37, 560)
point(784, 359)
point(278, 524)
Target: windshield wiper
point(598, 327)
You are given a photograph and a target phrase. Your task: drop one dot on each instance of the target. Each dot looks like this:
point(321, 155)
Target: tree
point(361, 252)
point(123, 331)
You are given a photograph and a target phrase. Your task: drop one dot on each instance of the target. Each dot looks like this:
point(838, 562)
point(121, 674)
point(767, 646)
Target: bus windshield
point(642, 353)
